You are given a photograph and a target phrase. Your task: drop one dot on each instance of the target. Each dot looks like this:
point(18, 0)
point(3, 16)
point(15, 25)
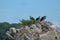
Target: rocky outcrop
point(36, 32)
point(39, 31)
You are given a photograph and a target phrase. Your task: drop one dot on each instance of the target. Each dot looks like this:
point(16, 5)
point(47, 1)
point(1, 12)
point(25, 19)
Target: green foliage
point(16, 25)
point(27, 22)
point(4, 26)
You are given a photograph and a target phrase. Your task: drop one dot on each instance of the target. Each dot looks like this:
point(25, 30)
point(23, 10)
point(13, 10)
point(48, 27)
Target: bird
point(32, 18)
point(43, 18)
point(38, 18)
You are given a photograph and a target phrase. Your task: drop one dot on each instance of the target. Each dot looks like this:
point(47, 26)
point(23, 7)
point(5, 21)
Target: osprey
point(38, 18)
point(43, 18)
point(32, 18)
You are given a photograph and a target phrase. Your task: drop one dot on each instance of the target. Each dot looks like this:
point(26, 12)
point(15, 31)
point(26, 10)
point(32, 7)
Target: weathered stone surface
point(36, 33)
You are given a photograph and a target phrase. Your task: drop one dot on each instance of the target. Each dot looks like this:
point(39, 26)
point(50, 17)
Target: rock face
point(38, 31)
point(35, 32)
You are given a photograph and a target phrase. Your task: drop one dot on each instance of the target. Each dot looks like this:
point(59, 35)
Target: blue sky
point(14, 10)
